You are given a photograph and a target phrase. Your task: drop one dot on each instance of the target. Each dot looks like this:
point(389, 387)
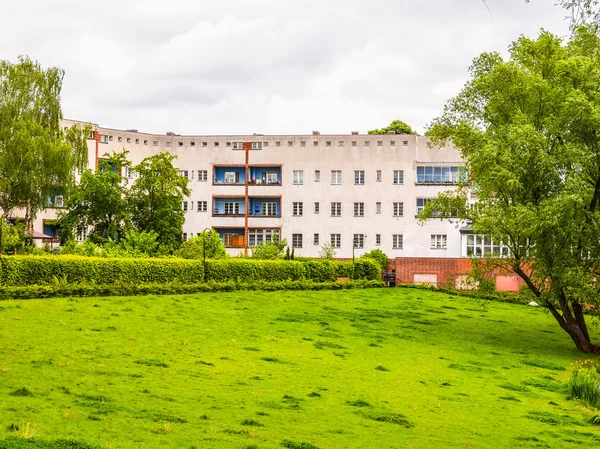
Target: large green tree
point(155, 198)
point(397, 126)
point(98, 200)
point(529, 130)
point(37, 157)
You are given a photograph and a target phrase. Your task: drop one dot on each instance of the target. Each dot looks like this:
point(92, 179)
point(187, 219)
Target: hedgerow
point(65, 270)
point(78, 290)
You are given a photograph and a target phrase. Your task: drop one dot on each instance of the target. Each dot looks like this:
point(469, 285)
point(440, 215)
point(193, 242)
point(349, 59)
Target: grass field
point(394, 368)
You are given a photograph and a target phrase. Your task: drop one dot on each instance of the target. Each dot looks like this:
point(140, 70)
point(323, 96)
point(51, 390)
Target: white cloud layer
point(266, 66)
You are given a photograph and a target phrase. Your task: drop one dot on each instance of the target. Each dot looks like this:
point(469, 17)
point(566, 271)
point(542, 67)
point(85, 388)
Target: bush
point(584, 383)
point(193, 248)
point(379, 256)
point(85, 290)
point(44, 270)
point(269, 250)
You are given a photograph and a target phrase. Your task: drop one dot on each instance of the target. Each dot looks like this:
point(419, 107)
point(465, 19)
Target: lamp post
point(354, 241)
point(204, 237)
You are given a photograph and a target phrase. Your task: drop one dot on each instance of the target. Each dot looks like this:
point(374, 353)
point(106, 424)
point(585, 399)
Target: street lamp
point(204, 237)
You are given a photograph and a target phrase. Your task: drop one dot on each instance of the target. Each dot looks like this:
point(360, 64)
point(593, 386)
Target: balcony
point(231, 237)
point(226, 175)
point(257, 175)
point(257, 207)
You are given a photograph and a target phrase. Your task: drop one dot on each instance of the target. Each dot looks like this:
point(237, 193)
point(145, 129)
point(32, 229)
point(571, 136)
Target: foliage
point(60, 289)
point(194, 248)
point(155, 198)
point(37, 158)
point(327, 251)
point(584, 382)
point(98, 200)
point(40, 270)
point(136, 242)
point(13, 237)
point(269, 250)
point(527, 128)
point(398, 126)
point(378, 256)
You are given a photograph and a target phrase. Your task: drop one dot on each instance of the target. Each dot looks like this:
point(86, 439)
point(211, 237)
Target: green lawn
point(394, 368)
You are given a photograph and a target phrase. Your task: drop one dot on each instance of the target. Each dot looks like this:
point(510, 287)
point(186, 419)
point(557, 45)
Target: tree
point(136, 242)
point(37, 158)
point(327, 251)
point(528, 130)
point(98, 200)
point(398, 126)
point(155, 198)
point(194, 248)
point(378, 256)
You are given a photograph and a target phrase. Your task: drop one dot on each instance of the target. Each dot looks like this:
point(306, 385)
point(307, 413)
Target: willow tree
point(528, 128)
point(37, 157)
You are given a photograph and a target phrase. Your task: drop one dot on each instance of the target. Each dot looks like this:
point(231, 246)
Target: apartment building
point(357, 192)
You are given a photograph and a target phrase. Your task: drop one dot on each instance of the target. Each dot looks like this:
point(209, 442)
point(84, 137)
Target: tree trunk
point(581, 340)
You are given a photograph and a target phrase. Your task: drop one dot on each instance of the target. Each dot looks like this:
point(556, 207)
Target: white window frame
point(298, 177)
point(358, 240)
point(317, 207)
point(398, 177)
point(297, 208)
point(420, 204)
point(378, 207)
point(379, 176)
point(359, 209)
point(377, 239)
point(202, 206)
point(336, 209)
point(439, 241)
point(296, 240)
point(359, 177)
point(317, 175)
point(336, 177)
point(397, 241)
point(335, 240)
point(268, 209)
point(202, 175)
point(315, 239)
point(398, 209)
point(231, 208)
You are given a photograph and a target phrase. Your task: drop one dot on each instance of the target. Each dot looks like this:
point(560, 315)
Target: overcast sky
point(264, 66)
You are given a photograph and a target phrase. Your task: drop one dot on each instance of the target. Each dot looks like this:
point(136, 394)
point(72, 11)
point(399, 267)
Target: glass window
point(296, 240)
point(336, 209)
point(398, 177)
point(397, 241)
point(336, 176)
point(359, 240)
point(438, 241)
point(298, 176)
point(359, 209)
point(297, 209)
point(378, 208)
point(398, 209)
point(359, 176)
point(336, 240)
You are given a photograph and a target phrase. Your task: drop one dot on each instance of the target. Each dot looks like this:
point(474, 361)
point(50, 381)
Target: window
point(290, 143)
point(259, 236)
point(359, 209)
point(336, 240)
point(137, 141)
point(317, 207)
point(129, 140)
point(438, 241)
point(145, 142)
point(257, 145)
point(192, 143)
point(202, 206)
point(359, 177)
point(203, 175)
point(184, 206)
point(184, 237)
point(421, 204)
point(277, 144)
point(297, 209)
point(232, 208)
point(271, 178)
point(128, 172)
point(380, 143)
point(367, 143)
point(378, 179)
point(168, 144)
point(328, 143)
point(398, 209)
point(397, 241)
point(405, 143)
point(269, 209)
point(184, 173)
point(232, 177)
point(298, 176)
point(120, 139)
point(317, 175)
point(296, 240)
point(378, 207)
point(336, 209)
point(216, 144)
point(340, 143)
point(336, 176)
point(110, 138)
point(265, 144)
point(59, 201)
point(237, 145)
point(353, 143)
point(303, 143)
point(359, 240)
point(315, 239)
point(392, 143)
point(155, 143)
point(233, 240)
point(378, 239)
point(315, 143)
point(204, 144)
point(438, 175)
point(398, 177)
point(482, 245)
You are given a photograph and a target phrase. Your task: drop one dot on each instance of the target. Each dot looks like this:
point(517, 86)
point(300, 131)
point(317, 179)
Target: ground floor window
point(336, 240)
point(483, 245)
point(260, 236)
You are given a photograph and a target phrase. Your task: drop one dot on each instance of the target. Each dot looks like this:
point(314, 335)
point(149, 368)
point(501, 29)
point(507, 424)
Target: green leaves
point(398, 126)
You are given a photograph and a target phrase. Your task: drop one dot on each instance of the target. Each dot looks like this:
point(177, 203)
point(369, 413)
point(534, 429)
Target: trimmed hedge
point(513, 298)
point(46, 291)
point(64, 270)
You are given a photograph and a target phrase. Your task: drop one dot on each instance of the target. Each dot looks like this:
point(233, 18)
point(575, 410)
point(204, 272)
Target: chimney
point(316, 133)
point(355, 133)
point(391, 132)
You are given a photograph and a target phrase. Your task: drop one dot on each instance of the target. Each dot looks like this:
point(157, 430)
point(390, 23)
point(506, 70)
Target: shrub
point(379, 256)
point(269, 250)
point(584, 383)
point(194, 248)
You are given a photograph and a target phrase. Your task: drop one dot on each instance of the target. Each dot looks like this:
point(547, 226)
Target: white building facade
point(357, 192)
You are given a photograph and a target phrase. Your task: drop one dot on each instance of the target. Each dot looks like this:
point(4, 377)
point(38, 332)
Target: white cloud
point(270, 66)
